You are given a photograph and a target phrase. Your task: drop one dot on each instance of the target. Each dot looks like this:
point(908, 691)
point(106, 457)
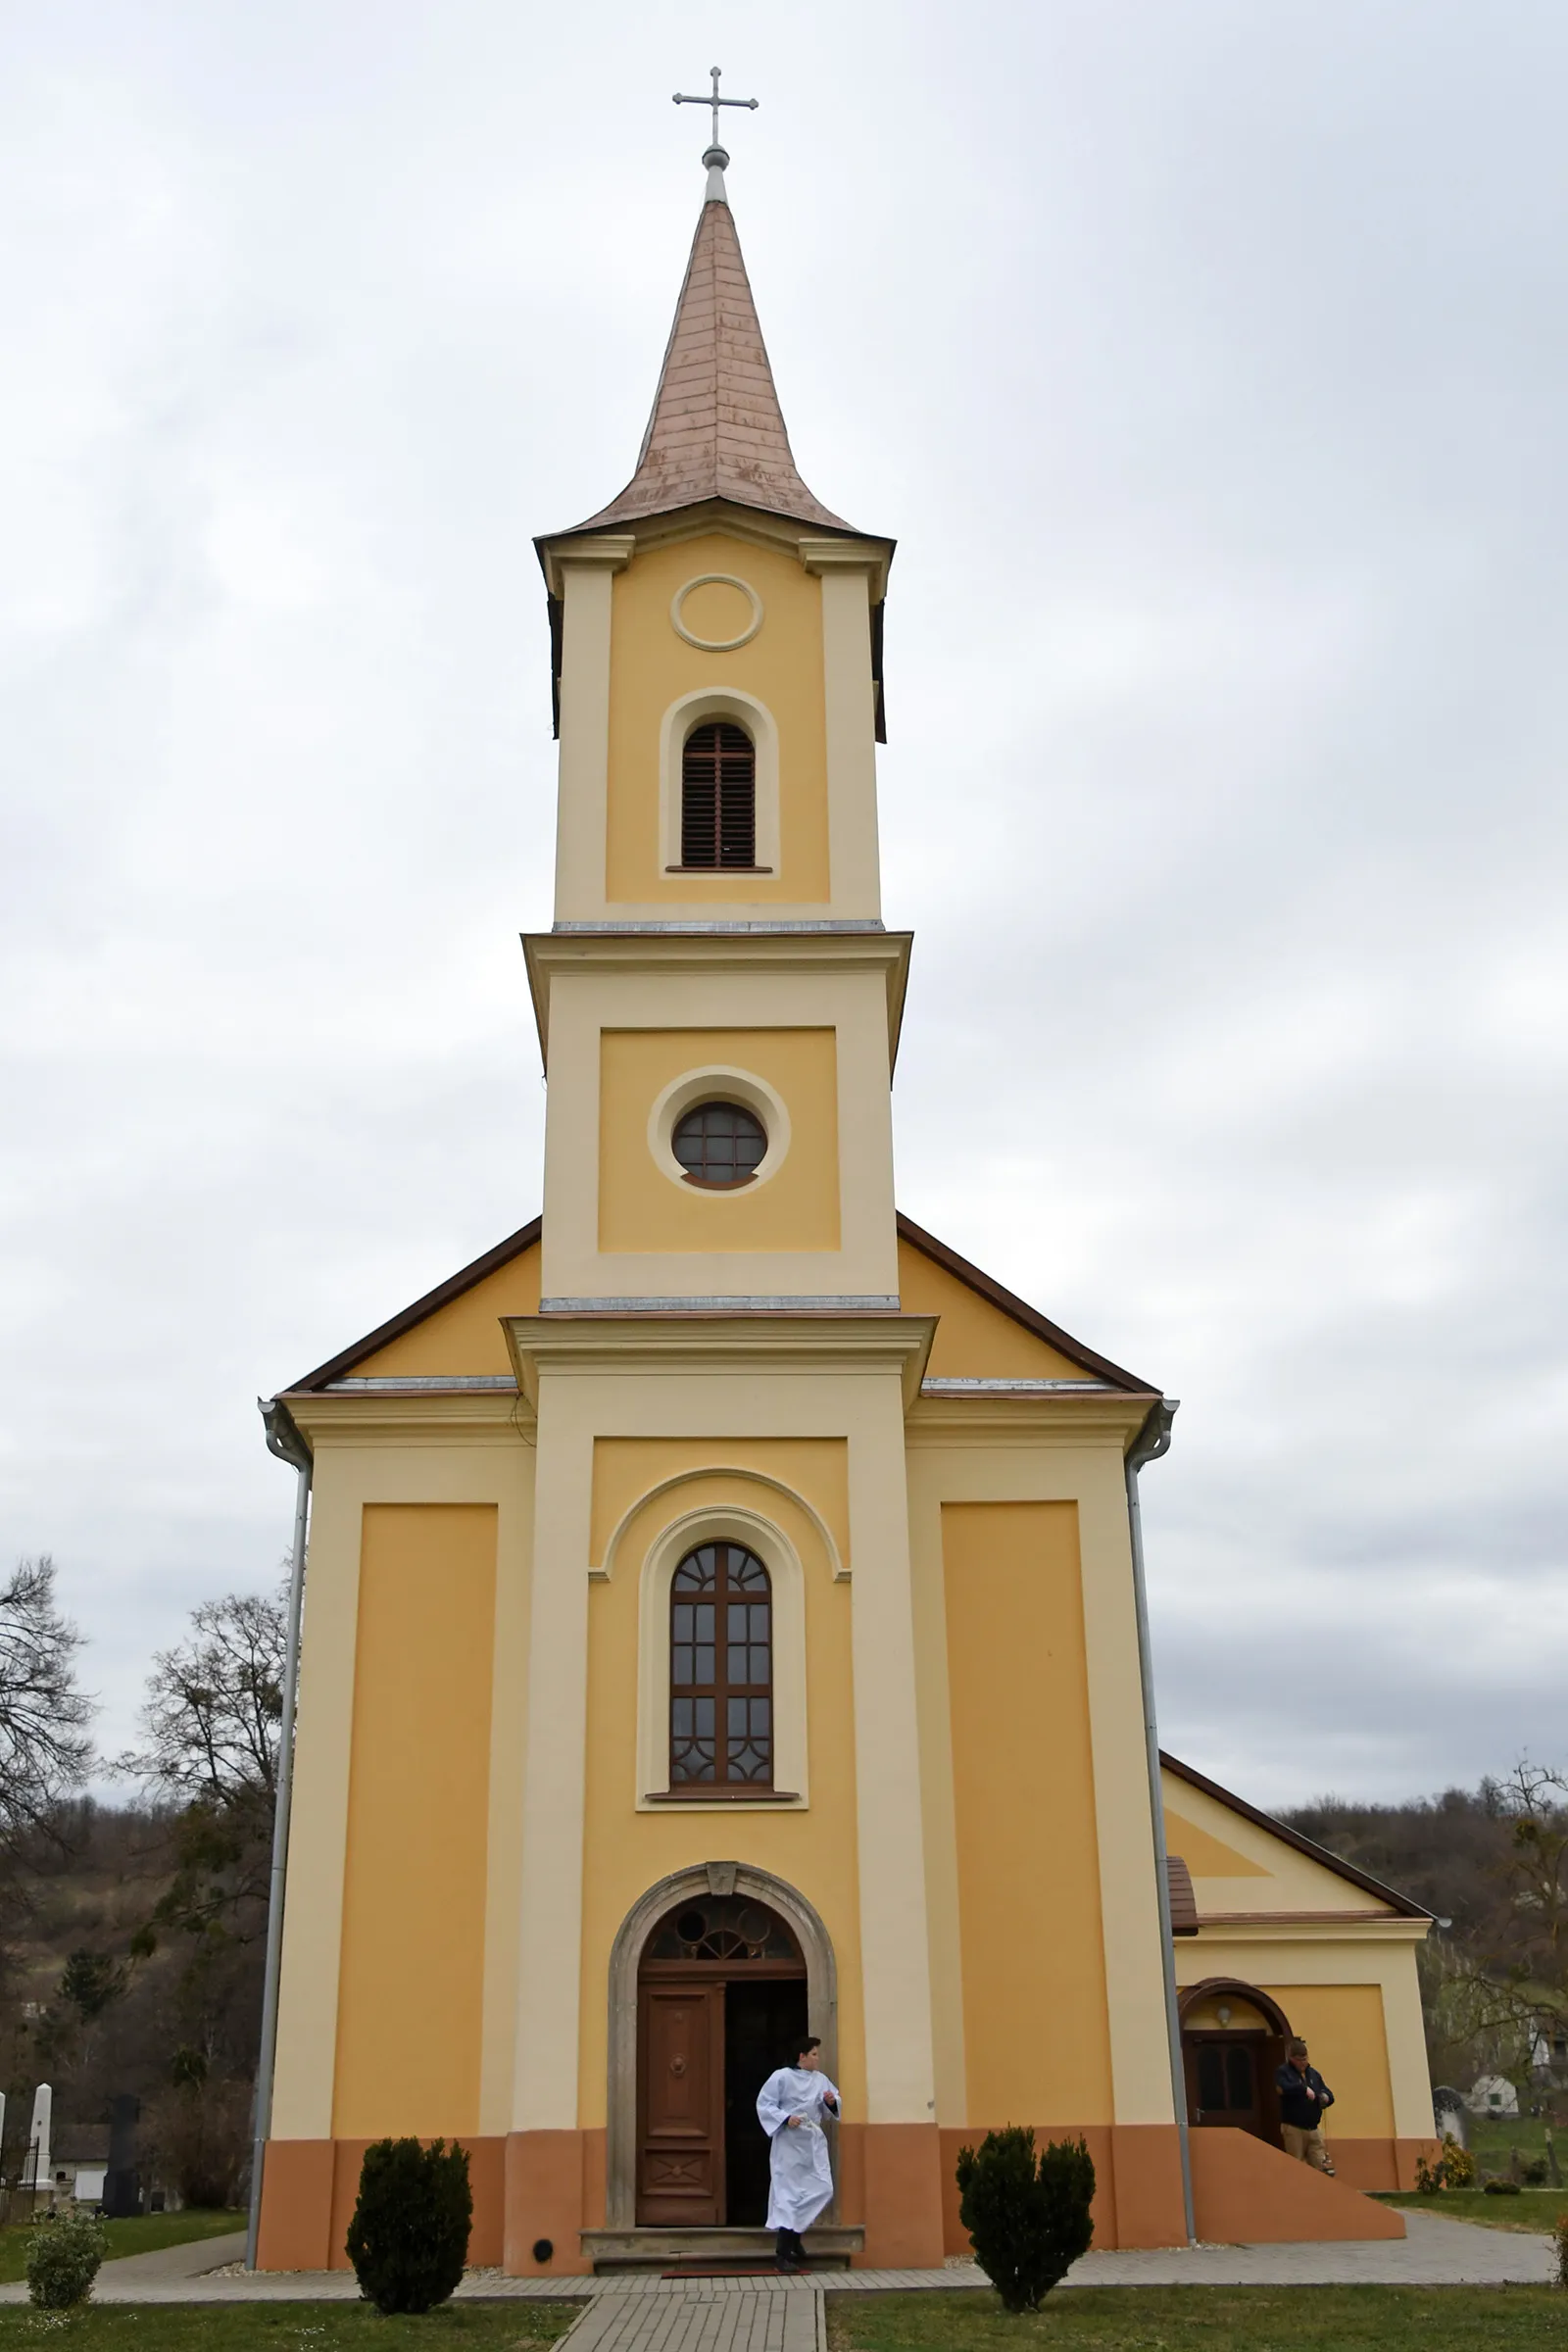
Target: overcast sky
point(1207, 360)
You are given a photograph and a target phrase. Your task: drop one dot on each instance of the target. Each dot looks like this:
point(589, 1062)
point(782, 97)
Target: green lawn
point(1493, 2136)
point(144, 2235)
point(1211, 2319)
point(288, 2327)
point(1534, 2209)
point(1490, 2132)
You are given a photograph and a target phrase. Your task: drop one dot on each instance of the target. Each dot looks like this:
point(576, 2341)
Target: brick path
point(740, 2319)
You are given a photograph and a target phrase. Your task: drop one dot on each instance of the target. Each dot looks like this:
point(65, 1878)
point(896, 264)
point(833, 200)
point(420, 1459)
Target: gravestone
point(122, 2188)
point(35, 2173)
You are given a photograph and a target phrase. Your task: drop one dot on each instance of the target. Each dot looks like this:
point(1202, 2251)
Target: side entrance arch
point(1234, 2040)
point(711, 1973)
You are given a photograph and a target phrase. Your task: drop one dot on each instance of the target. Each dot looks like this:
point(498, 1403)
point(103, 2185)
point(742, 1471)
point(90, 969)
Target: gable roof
point(527, 1237)
point(1019, 1310)
point(1401, 1903)
point(337, 1367)
point(717, 428)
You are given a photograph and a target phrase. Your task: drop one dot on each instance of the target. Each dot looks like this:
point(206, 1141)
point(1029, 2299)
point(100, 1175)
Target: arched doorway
point(697, 1887)
point(720, 1996)
point(1234, 2040)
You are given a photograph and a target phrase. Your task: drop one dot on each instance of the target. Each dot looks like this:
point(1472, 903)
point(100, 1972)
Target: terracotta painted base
point(1241, 2197)
point(901, 2170)
point(1248, 2194)
point(555, 2190)
point(1145, 2161)
point(308, 2189)
point(1379, 2165)
point(1138, 2182)
point(895, 2179)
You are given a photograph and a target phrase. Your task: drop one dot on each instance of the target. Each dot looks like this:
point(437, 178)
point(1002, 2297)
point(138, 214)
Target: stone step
point(829, 2249)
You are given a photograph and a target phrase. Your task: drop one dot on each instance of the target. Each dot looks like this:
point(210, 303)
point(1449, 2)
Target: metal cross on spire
point(716, 153)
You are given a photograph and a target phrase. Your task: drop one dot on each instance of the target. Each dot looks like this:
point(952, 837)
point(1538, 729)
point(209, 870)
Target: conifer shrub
point(408, 2238)
point(1028, 2215)
point(1559, 2239)
point(64, 2251)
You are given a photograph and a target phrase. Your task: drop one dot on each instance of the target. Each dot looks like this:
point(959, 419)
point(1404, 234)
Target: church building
point(723, 1610)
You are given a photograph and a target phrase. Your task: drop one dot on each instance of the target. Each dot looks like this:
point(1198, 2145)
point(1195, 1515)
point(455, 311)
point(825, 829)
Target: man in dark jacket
point(1304, 2097)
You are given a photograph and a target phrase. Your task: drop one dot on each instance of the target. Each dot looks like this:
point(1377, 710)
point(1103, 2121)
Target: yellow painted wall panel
point(626, 1851)
point(1343, 2026)
point(651, 668)
point(975, 1341)
point(1243, 1848)
point(628, 1468)
point(1037, 2040)
point(410, 1992)
point(465, 1335)
point(1206, 1856)
point(641, 1208)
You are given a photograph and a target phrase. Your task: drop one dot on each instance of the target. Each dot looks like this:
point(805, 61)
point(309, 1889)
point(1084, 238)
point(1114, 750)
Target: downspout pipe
point(1152, 1440)
point(284, 1440)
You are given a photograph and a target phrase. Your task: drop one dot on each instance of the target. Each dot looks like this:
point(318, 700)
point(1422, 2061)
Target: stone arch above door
point(704, 1879)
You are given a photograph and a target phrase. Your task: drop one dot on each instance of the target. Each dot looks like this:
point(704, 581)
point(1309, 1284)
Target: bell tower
point(718, 1001)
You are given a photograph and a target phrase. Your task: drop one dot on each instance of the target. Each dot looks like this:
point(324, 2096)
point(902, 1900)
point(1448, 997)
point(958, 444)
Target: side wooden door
point(1225, 2081)
point(680, 2105)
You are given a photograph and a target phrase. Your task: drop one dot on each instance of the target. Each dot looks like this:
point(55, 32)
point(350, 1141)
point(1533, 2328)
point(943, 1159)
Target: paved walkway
point(189, 2261)
point(786, 2318)
point(745, 2315)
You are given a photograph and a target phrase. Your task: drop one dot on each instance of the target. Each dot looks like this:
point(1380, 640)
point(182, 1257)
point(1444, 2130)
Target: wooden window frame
point(703, 1182)
point(720, 1690)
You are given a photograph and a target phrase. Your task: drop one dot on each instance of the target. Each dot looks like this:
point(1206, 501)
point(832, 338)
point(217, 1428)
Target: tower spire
point(717, 428)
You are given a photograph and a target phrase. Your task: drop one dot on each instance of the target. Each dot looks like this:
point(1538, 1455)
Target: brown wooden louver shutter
point(719, 797)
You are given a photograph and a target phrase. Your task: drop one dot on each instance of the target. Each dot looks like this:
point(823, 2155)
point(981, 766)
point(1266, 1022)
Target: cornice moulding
point(554, 955)
point(610, 1347)
point(430, 1416)
point(753, 525)
point(1294, 1926)
point(1064, 1417)
point(606, 551)
point(870, 556)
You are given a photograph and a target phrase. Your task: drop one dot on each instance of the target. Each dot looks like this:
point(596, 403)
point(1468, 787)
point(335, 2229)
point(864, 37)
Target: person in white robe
point(790, 2107)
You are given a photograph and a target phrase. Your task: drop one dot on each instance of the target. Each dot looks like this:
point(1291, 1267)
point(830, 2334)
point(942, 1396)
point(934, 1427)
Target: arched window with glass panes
point(720, 1670)
point(719, 796)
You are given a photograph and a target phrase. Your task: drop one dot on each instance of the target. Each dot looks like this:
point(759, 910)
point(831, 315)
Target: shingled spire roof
point(717, 430)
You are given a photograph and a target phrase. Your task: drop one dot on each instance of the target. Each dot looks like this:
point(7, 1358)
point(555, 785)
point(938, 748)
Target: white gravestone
point(43, 2101)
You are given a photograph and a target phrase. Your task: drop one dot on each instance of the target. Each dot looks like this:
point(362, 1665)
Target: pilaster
point(586, 572)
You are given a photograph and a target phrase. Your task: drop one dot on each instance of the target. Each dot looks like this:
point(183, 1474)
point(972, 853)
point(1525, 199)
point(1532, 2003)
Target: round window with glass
point(719, 1145)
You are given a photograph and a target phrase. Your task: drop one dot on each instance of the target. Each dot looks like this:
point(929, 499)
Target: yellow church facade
point(723, 1607)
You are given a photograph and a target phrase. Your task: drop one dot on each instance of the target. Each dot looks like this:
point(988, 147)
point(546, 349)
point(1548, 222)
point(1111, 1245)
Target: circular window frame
point(715, 645)
point(718, 1084)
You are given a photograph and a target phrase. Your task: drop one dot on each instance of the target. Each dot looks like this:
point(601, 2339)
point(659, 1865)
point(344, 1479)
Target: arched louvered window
point(719, 796)
point(720, 1670)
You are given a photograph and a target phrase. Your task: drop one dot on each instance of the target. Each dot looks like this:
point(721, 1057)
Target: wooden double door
point(707, 2041)
point(1229, 2081)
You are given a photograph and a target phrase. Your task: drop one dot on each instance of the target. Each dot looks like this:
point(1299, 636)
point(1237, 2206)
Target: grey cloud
point(1211, 365)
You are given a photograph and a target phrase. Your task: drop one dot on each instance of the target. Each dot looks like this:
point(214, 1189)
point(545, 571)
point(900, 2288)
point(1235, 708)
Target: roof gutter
point(1153, 1441)
point(284, 1439)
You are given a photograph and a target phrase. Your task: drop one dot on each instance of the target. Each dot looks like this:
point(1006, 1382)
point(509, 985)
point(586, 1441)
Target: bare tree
point(44, 1745)
point(214, 1706)
point(212, 1721)
point(1493, 1863)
